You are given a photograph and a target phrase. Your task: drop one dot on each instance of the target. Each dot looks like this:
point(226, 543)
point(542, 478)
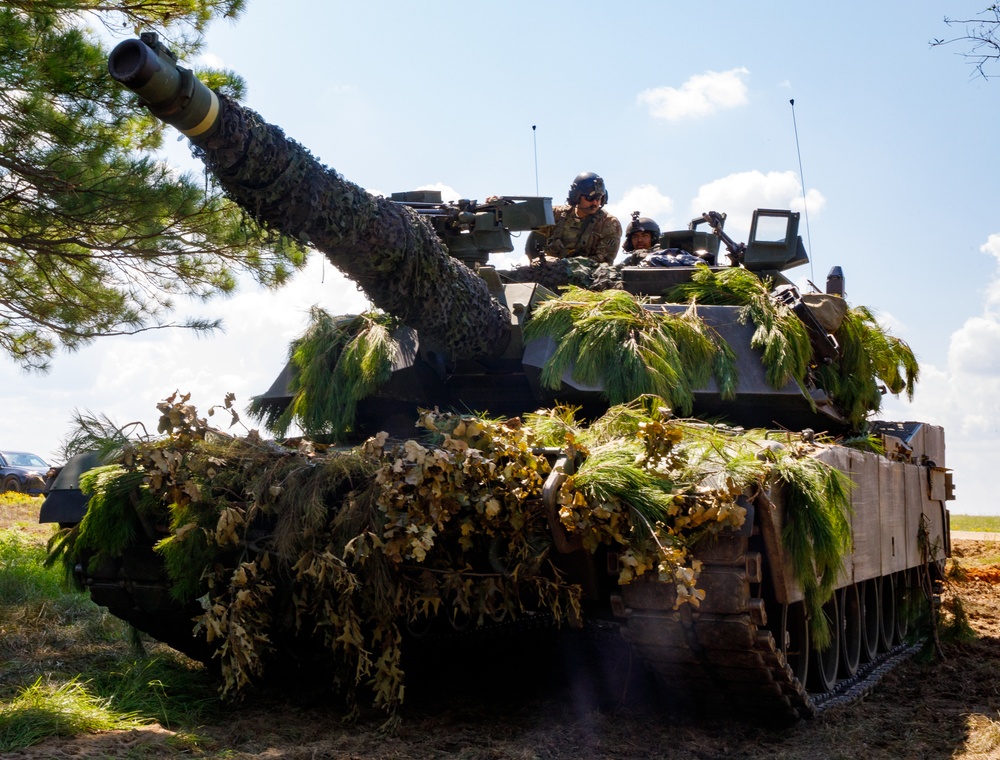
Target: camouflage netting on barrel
point(334, 551)
point(386, 248)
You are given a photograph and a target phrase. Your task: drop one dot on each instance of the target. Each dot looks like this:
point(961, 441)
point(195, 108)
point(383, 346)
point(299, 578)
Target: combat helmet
point(640, 224)
point(586, 185)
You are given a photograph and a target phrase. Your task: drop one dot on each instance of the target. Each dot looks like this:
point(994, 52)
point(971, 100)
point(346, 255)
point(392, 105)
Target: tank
point(462, 339)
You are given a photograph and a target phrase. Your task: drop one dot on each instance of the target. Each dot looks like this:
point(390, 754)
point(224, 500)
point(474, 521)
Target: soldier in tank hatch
point(582, 227)
point(642, 241)
point(641, 236)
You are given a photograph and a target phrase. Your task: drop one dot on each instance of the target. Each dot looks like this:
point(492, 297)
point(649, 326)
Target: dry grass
point(18, 511)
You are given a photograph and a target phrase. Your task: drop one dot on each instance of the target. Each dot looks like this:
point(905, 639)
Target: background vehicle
point(22, 472)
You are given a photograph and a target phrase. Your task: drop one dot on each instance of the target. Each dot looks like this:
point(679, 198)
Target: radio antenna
point(534, 139)
point(802, 179)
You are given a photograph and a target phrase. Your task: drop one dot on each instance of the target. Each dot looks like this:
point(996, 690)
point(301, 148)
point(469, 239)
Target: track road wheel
point(793, 639)
point(887, 616)
point(903, 608)
point(850, 631)
point(826, 662)
point(870, 614)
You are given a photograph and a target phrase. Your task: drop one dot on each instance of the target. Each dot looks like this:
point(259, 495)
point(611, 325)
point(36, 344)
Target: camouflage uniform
point(387, 249)
point(596, 237)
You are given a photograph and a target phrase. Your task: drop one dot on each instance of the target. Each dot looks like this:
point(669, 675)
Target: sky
point(681, 107)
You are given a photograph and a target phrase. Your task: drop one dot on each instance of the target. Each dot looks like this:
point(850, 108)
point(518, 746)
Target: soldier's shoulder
point(611, 220)
point(561, 210)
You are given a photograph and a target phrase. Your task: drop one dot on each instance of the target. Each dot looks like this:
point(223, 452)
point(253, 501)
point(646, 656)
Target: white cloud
point(975, 348)
point(701, 95)
point(646, 199)
point(210, 61)
point(448, 193)
point(964, 397)
point(739, 194)
point(889, 322)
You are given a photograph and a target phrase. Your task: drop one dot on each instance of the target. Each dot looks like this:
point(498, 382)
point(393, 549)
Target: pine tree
point(97, 236)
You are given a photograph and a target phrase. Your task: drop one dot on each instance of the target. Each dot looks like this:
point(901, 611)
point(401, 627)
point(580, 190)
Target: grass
point(66, 666)
point(46, 709)
point(20, 511)
point(985, 524)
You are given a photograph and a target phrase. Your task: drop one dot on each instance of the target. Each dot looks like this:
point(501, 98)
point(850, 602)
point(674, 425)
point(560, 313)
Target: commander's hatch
point(774, 242)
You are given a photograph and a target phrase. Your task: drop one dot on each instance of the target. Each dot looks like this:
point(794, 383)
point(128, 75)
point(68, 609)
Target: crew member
point(582, 226)
point(642, 241)
point(641, 236)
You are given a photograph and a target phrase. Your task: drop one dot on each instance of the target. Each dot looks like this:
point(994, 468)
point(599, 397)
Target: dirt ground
point(945, 709)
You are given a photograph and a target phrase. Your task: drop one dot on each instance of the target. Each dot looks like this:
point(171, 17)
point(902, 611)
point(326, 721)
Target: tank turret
point(425, 263)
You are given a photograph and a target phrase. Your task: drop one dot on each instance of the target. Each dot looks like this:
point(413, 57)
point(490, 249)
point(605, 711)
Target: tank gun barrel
point(393, 255)
point(172, 93)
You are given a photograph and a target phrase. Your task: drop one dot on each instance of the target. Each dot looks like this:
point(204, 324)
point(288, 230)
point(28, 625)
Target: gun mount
point(473, 230)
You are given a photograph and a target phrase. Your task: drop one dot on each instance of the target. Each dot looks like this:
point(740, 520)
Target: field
point(982, 523)
point(63, 663)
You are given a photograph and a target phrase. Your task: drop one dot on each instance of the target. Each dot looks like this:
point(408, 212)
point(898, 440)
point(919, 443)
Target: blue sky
point(681, 107)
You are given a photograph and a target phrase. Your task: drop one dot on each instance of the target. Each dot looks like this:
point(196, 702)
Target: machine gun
point(473, 230)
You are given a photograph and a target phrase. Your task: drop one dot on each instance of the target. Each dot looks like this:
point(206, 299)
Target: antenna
point(802, 179)
point(534, 139)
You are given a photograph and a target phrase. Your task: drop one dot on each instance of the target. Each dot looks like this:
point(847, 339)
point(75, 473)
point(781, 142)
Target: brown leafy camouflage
point(388, 250)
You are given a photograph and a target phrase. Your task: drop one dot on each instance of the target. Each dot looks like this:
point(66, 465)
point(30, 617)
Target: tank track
point(723, 658)
point(725, 655)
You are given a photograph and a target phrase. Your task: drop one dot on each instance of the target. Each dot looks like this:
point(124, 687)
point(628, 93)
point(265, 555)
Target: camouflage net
point(560, 273)
point(387, 249)
point(336, 551)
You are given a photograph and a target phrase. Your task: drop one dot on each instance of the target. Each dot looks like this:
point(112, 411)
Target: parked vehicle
point(22, 472)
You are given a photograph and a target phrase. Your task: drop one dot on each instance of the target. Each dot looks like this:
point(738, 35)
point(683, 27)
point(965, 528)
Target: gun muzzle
point(171, 92)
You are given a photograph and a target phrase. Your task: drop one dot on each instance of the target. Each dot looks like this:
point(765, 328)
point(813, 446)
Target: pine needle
point(779, 334)
point(817, 532)
point(337, 363)
point(610, 339)
point(869, 355)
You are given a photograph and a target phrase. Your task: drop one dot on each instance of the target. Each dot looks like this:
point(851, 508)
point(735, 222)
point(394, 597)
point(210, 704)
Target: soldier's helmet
point(640, 224)
point(588, 185)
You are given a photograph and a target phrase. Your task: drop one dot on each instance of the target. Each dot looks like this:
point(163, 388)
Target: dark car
point(22, 472)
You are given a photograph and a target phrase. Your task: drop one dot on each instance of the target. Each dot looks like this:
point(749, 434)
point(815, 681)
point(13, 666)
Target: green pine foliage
point(780, 335)
point(112, 523)
point(609, 338)
point(338, 362)
point(100, 236)
point(870, 358)
point(817, 531)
